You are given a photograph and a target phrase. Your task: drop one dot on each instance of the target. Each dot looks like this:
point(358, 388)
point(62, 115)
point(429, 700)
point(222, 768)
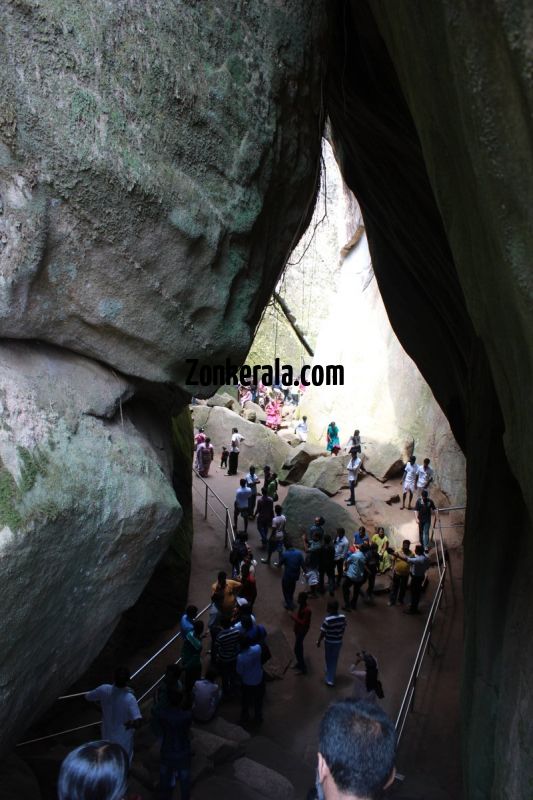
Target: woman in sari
point(205, 456)
point(273, 412)
point(332, 435)
point(382, 541)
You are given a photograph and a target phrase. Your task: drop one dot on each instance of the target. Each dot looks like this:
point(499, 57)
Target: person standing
point(354, 466)
point(204, 457)
point(241, 505)
point(206, 695)
point(301, 430)
point(250, 671)
point(292, 560)
point(341, 545)
point(419, 565)
point(234, 451)
point(424, 476)
point(326, 565)
point(251, 482)
point(354, 578)
point(424, 509)
point(400, 575)
point(175, 747)
point(332, 630)
point(367, 685)
point(302, 623)
point(275, 543)
point(187, 620)
point(333, 441)
point(360, 537)
point(372, 566)
point(227, 650)
point(264, 516)
point(248, 588)
point(191, 655)
point(272, 486)
point(121, 715)
point(409, 481)
point(229, 590)
point(353, 443)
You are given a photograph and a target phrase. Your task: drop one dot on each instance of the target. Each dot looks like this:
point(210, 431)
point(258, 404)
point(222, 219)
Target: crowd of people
point(227, 656)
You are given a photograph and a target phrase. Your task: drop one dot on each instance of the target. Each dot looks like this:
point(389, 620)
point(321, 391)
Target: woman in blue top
point(334, 444)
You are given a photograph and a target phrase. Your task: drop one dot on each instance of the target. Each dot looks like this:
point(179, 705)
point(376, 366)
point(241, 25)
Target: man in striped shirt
point(332, 631)
point(227, 647)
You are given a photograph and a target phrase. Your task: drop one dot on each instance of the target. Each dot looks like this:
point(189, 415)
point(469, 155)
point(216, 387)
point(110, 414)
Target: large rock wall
point(86, 510)
point(431, 114)
point(157, 162)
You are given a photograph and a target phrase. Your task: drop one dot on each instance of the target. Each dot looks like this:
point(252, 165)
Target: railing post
point(206, 494)
point(227, 530)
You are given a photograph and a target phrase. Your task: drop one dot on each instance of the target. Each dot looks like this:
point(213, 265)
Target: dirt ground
point(295, 703)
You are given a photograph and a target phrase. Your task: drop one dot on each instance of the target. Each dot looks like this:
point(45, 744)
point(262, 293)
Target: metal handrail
point(229, 532)
point(425, 641)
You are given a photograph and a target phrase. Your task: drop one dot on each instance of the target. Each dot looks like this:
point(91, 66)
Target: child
point(224, 458)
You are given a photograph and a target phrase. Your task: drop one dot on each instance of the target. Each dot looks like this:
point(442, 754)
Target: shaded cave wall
point(429, 108)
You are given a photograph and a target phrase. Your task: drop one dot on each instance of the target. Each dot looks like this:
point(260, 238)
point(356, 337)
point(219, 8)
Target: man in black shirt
point(424, 508)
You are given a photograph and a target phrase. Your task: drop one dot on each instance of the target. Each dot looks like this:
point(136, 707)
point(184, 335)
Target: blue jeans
point(423, 532)
point(332, 656)
point(167, 780)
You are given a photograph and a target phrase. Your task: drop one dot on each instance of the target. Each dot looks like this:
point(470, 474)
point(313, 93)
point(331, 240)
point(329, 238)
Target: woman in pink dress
point(273, 412)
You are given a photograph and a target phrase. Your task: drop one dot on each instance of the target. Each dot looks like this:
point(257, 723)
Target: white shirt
point(278, 525)
point(354, 465)
point(236, 439)
point(252, 481)
point(118, 706)
point(410, 474)
point(424, 477)
point(206, 697)
point(242, 496)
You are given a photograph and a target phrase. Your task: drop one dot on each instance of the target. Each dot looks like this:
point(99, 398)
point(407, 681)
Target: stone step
point(262, 779)
point(224, 787)
point(215, 748)
point(227, 730)
point(267, 752)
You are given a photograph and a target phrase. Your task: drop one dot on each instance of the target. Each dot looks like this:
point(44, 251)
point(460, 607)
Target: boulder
point(140, 199)
point(290, 437)
point(87, 481)
point(225, 400)
point(216, 749)
point(327, 473)
point(200, 415)
point(298, 461)
point(260, 446)
point(254, 408)
point(386, 460)
point(303, 504)
point(263, 779)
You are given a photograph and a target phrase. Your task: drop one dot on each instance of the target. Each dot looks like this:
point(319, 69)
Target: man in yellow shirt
point(229, 590)
point(400, 575)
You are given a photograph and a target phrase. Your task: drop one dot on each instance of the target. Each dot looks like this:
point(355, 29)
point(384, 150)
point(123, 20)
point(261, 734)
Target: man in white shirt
point(424, 476)
point(354, 465)
point(409, 480)
point(120, 712)
point(277, 536)
point(206, 695)
point(242, 503)
point(301, 430)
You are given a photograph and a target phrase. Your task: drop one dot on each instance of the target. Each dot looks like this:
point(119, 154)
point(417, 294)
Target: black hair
point(222, 576)
point(191, 611)
point(242, 482)
point(122, 676)
point(358, 743)
point(98, 770)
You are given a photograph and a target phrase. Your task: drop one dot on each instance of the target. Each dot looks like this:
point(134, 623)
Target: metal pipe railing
point(408, 700)
point(229, 531)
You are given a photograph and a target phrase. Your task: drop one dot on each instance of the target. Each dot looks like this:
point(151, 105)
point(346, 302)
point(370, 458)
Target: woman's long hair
point(94, 771)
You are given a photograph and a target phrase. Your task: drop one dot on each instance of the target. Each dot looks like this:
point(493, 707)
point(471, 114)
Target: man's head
point(426, 463)
point(406, 545)
point(412, 459)
point(191, 612)
point(304, 419)
point(353, 452)
point(333, 607)
point(252, 469)
point(424, 493)
point(340, 533)
point(419, 550)
point(207, 440)
point(221, 579)
point(242, 482)
point(278, 510)
point(234, 430)
point(122, 676)
point(356, 751)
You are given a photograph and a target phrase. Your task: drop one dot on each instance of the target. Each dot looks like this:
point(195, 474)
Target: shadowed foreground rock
point(86, 510)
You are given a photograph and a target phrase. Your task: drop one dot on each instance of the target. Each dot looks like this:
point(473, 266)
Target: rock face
point(298, 461)
point(303, 504)
point(327, 473)
point(87, 509)
point(383, 395)
point(260, 446)
point(430, 108)
point(136, 184)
